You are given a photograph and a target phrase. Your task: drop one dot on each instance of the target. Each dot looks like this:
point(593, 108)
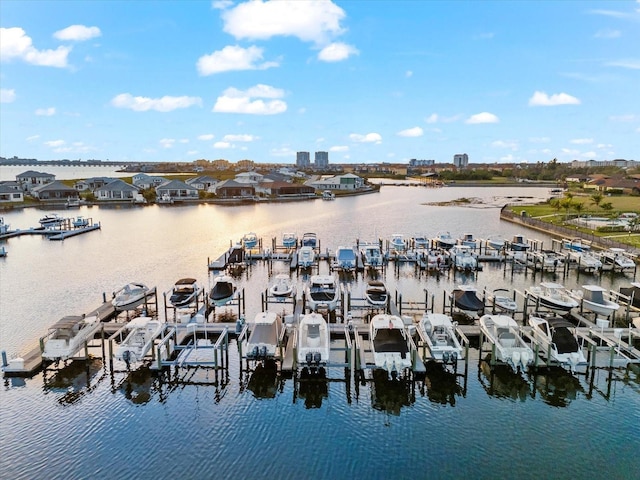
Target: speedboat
point(51, 220)
point(390, 344)
point(283, 287)
point(345, 258)
point(440, 337)
point(4, 227)
point(465, 298)
point(586, 260)
point(328, 195)
point(421, 241)
point(397, 242)
point(503, 332)
point(372, 256)
point(376, 293)
point(313, 341)
point(264, 337)
point(223, 290)
point(546, 260)
point(139, 341)
point(554, 297)
point(436, 260)
point(289, 240)
point(618, 258)
point(592, 298)
point(496, 242)
point(309, 239)
point(445, 240)
point(633, 293)
point(250, 240)
point(469, 240)
point(322, 292)
point(519, 243)
point(68, 335)
point(463, 258)
point(80, 221)
point(306, 256)
point(557, 336)
point(576, 245)
point(184, 292)
point(501, 300)
point(130, 296)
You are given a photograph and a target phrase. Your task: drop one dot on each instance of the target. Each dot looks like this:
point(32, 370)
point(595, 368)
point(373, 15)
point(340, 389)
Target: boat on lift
point(264, 337)
point(502, 300)
point(68, 335)
point(322, 292)
point(306, 256)
point(633, 293)
point(80, 222)
point(4, 227)
point(289, 240)
point(283, 286)
point(617, 258)
point(131, 296)
point(250, 240)
point(465, 298)
point(469, 240)
point(592, 298)
point(139, 341)
point(223, 290)
point(496, 242)
point(438, 331)
point(376, 293)
point(576, 245)
point(314, 344)
point(554, 297)
point(51, 220)
point(464, 259)
point(503, 332)
point(328, 195)
point(390, 344)
point(421, 241)
point(184, 292)
point(444, 240)
point(371, 255)
point(309, 239)
point(345, 258)
point(585, 259)
point(557, 336)
point(397, 242)
point(519, 244)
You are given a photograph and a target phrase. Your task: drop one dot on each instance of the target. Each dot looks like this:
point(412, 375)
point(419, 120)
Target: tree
point(566, 203)
point(578, 207)
point(607, 207)
point(596, 198)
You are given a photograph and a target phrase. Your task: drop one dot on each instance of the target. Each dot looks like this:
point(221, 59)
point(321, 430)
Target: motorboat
point(306, 256)
point(264, 337)
point(546, 260)
point(72, 202)
point(283, 286)
point(469, 240)
point(314, 345)
point(130, 296)
point(51, 220)
point(322, 292)
point(618, 258)
point(421, 241)
point(68, 335)
point(371, 255)
point(309, 239)
point(519, 243)
point(576, 245)
point(440, 337)
point(558, 338)
point(345, 258)
point(397, 242)
point(376, 293)
point(502, 300)
point(585, 259)
point(250, 240)
point(503, 332)
point(465, 298)
point(633, 293)
point(592, 298)
point(496, 243)
point(139, 341)
point(390, 344)
point(463, 258)
point(80, 222)
point(184, 292)
point(436, 260)
point(328, 195)
point(289, 240)
point(3, 251)
point(554, 297)
point(444, 240)
point(222, 291)
point(4, 227)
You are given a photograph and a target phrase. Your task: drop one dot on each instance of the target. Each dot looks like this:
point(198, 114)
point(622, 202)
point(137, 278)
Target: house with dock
point(177, 190)
point(116, 190)
point(55, 190)
point(348, 181)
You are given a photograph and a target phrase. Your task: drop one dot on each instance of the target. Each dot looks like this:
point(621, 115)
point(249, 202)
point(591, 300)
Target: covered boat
point(465, 298)
point(222, 291)
point(633, 292)
point(313, 341)
point(184, 292)
point(557, 337)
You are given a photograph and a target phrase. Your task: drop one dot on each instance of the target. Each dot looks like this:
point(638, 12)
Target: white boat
point(309, 239)
point(264, 337)
point(51, 220)
point(466, 300)
point(519, 243)
point(223, 290)
point(576, 244)
point(250, 240)
point(496, 242)
point(130, 296)
point(328, 195)
point(554, 297)
point(345, 258)
point(469, 240)
point(421, 241)
point(557, 337)
point(184, 292)
point(314, 344)
point(322, 292)
point(80, 222)
point(618, 258)
point(139, 341)
point(586, 260)
point(3, 251)
point(444, 240)
point(464, 258)
point(436, 260)
point(68, 335)
point(503, 332)
point(289, 240)
point(440, 336)
point(390, 344)
point(397, 242)
point(73, 202)
point(502, 300)
point(4, 227)
point(376, 293)
point(306, 257)
point(592, 298)
point(283, 286)
point(371, 255)
point(546, 260)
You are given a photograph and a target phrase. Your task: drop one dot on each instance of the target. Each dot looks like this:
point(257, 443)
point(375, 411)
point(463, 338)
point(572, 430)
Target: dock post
point(4, 359)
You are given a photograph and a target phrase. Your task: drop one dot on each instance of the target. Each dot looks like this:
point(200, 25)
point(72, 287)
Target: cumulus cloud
point(339, 148)
point(46, 112)
point(206, 136)
point(222, 145)
point(77, 33)
point(15, 44)
point(368, 138)
point(411, 132)
point(336, 52)
point(249, 101)
point(541, 99)
point(163, 104)
point(7, 95)
point(582, 141)
point(233, 57)
point(167, 142)
point(484, 117)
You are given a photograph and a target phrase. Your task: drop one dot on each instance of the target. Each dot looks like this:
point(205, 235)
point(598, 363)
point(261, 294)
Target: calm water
point(63, 172)
point(84, 422)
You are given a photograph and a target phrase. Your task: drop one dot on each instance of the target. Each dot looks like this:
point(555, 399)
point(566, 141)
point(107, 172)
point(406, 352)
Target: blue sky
point(367, 81)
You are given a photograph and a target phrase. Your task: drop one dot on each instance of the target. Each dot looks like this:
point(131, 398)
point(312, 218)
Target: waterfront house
point(116, 190)
point(91, 184)
point(10, 192)
point(202, 183)
point(233, 189)
point(177, 190)
point(284, 189)
point(55, 190)
point(348, 181)
point(31, 179)
point(144, 181)
point(252, 178)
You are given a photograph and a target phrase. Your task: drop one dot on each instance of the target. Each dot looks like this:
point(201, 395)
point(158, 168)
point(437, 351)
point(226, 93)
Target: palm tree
point(596, 198)
point(578, 207)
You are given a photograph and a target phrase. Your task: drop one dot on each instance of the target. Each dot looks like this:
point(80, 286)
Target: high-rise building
point(460, 160)
point(321, 160)
point(303, 159)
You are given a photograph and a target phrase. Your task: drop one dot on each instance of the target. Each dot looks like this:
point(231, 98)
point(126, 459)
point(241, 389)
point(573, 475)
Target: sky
point(367, 81)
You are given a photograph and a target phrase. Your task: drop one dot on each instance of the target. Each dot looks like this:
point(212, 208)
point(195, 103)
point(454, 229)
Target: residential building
point(202, 183)
point(348, 181)
point(321, 160)
point(31, 179)
point(177, 190)
point(460, 160)
point(233, 189)
point(303, 160)
point(10, 192)
point(116, 190)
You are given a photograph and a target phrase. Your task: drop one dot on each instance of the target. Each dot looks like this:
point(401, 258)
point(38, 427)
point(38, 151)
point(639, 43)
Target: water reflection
point(390, 395)
point(138, 385)
point(312, 387)
point(264, 381)
point(557, 386)
point(501, 381)
point(75, 379)
point(442, 385)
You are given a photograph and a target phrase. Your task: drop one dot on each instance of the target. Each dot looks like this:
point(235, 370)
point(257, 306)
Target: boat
point(51, 220)
point(309, 239)
point(440, 337)
point(390, 344)
point(250, 240)
point(184, 292)
point(4, 227)
point(496, 242)
point(3, 252)
point(73, 202)
point(469, 240)
point(576, 244)
point(444, 240)
point(328, 195)
point(421, 241)
point(264, 337)
point(289, 240)
point(397, 242)
point(80, 222)
point(465, 298)
point(68, 335)
point(222, 291)
point(306, 257)
point(546, 260)
point(633, 293)
point(463, 258)
point(322, 292)
point(519, 244)
point(436, 260)
point(130, 296)
point(557, 337)
point(585, 259)
point(371, 255)
point(283, 287)
point(553, 296)
point(592, 298)
point(502, 300)
point(139, 341)
point(503, 332)
point(376, 293)
point(618, 258)
point(314, 344)
point(345, 258)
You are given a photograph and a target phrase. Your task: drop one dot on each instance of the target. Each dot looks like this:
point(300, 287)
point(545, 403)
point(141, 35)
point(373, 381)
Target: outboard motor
point(254, 352)
point(263, 351)
point(454, 357)
point(309, 358)
point(317, 357)
point(445, 357)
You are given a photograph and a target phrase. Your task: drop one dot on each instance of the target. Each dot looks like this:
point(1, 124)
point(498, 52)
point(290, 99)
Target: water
point(63, 172)
point(85, 422)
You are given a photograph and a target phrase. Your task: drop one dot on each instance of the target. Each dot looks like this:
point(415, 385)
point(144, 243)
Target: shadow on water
point(74, 379)
point(138, 385)
point(442, 385)
point(501, 381)
point(264, 380)
point(557, 386)
point(313, 387)
point(390, 395)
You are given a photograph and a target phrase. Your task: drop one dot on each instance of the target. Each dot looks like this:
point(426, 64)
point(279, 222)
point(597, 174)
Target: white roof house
point(348, 181)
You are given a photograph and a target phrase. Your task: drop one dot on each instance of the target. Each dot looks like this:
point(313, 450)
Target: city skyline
point(382, 82)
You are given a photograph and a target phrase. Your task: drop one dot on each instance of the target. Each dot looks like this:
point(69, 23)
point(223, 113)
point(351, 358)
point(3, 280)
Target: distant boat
point(496, 242)
point(289, 240)
point(4, 227)
point(306, 257)
point(3, 251)
point(73, 202)
point(576, 245)
point(309, 239)
point(421, 241)
point(130, 296)
point(328, 195)
point(585, 259)
point(502, 301)
point(617, 258)
point(371, 255)
point(80, 222)
point(593, 299)
point(519, 243)
point(68, 335)
point(250, 240)
point(445, 240)
point(184, 292)
point(345, 258)
point(51, 220)
point(283, 286)
point(376, 293)
point(223, 290)
point(397, 242)
point(264, 337)
point(390, 344)
point(469, 240)
point(463, 258)
point(314, 344)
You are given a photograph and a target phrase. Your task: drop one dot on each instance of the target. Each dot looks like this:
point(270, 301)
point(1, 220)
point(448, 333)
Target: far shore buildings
point(460, 160)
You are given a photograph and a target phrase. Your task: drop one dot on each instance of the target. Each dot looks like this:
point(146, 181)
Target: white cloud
point(604, 145)
point(339, 148)
point(569, 151)
point(316, 22)
point(631, 63)
point(411, 132)
point(623, 118)
point(539, 139)
point(7, 95)
point(54, 143)
point(607, 33)
point(45, 112)
point(368, 138)
point(484, 117)
point(77, 33)
point(233, 57)
point(336, 52)
point(582, 141)
point(590, 154)
point(15, 44)
point(511, 144)
point(240, 138)
point(408, 74)
point(222, 145)
point(33, 138)
point(167, 142)
point(541, 99)
point(163, 104)
point(206, 136)
point(433, 118)
point(238, 101)
point(221, 4)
